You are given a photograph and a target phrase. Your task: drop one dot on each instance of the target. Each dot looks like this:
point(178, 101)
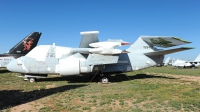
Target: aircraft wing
point(164, 41)
point(163, 52)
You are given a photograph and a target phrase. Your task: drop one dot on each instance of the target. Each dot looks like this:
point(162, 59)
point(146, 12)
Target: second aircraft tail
point(25, 45)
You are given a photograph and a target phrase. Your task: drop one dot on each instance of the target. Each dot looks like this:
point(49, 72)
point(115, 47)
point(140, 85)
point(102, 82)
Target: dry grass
point(152, 89)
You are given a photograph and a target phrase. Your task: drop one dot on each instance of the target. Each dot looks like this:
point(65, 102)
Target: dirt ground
point(180, 77)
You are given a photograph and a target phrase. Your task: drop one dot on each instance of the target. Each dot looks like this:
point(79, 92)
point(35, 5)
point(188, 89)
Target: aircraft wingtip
point(188, 47)
point(179, 39)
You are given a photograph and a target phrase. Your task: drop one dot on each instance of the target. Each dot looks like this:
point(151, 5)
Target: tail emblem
point(27, 43)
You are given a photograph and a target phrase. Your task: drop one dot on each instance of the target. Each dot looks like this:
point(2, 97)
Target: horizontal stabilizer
point(164, 41)
point(163, 52)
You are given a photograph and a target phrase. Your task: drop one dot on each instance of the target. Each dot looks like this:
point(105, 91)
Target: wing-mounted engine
point(73, 65)
point(69, 66)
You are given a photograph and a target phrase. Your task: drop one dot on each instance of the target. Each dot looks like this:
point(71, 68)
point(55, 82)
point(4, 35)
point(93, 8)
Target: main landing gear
point(103, 78)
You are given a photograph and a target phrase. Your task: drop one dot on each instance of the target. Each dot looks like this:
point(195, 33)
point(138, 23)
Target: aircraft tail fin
point(198, 58)
point(26, 45)
point(140, 46)
point(87, 38)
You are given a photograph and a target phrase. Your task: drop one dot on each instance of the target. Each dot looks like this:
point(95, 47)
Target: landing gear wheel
point(104, 80)
point(32, 79)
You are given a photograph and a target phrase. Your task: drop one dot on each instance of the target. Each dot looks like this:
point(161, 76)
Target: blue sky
point(61, 21)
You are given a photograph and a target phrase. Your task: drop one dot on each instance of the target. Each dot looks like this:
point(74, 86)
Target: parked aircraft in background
point(93, 57)
point(20, 49)
point(182, 64)
point(166, 62)
point(187, 64)
point(172, 61)
point(196, 62)
point(197, 58)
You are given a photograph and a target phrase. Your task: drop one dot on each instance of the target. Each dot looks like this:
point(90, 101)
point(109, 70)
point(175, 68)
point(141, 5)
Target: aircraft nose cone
point(14, 66)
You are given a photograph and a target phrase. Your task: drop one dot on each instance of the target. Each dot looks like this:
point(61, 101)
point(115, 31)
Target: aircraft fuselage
point(64, 61)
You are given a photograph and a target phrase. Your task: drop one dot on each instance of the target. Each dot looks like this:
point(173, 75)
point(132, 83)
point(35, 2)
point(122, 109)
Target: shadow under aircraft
point(4, 71)
point(11, 98)
point(114, 78)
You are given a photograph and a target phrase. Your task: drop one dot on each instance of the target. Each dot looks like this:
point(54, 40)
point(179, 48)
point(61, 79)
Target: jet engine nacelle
point(69, 66)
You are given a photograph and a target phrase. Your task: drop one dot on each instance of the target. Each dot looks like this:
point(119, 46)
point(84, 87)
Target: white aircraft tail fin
point(198, 58)
point(140, 46)
point(88, 37)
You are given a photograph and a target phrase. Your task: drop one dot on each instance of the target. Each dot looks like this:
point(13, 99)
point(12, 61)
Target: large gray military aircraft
point(94, 57)
point(20, 49)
